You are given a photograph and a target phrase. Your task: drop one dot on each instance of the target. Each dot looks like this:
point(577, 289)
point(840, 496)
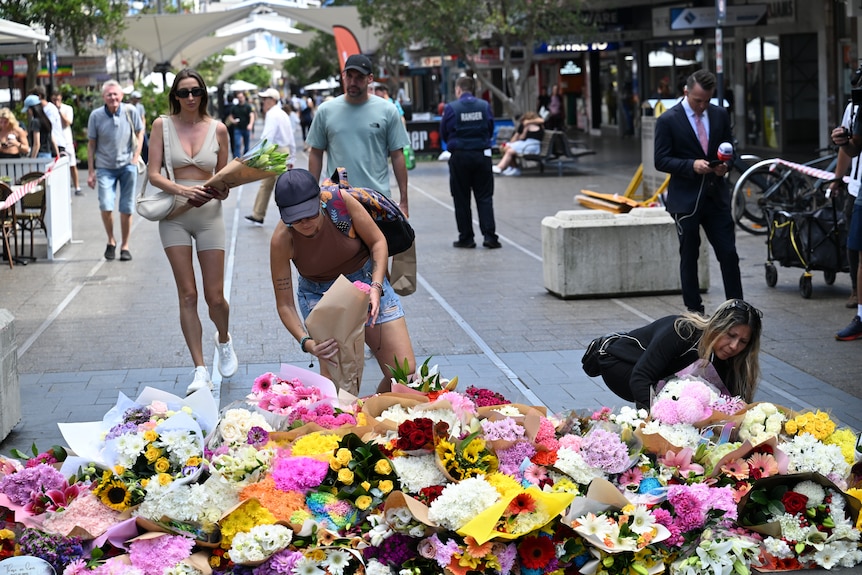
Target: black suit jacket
point(676, 149)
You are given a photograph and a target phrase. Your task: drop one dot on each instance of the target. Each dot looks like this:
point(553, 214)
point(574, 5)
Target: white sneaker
point(227, 362)
point(201, 380)
point(496, 169)
point(510, 171)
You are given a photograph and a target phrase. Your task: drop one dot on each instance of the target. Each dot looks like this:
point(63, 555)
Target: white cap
point(270, 93)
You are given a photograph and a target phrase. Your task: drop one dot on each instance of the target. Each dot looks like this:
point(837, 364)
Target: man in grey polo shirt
point(113, 150)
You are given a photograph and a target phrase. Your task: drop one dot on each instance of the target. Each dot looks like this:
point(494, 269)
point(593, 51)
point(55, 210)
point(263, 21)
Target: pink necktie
point(701, 134)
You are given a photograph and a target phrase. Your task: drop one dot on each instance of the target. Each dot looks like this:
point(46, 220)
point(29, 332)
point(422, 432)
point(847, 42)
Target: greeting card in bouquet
point(341, 315)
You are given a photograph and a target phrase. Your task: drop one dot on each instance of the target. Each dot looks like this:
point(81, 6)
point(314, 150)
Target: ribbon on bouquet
point(19, 192)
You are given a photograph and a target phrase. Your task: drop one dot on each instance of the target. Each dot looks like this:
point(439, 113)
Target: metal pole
point(720, 19)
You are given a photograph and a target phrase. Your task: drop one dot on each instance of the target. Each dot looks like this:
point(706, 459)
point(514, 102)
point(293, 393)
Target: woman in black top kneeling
point(631, 364)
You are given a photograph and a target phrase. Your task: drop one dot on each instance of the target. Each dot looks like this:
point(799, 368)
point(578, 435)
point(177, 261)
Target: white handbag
point(153, 203)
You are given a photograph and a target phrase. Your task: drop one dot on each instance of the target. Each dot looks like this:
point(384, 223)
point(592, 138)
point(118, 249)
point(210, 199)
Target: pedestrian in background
point(14, 142)
point(39, 133)
point(375, 135)
point(67, 116)
point(115, 135)
point(135, 99)
point(687, 137)
point(467, 127)
point(276, 130)
point(242, 119)
point(190, 127)
point(53, 115)
point(843, 163)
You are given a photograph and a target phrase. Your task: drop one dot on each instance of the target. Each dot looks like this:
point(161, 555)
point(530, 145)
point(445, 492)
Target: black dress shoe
point(492, 244)
point(462, 244)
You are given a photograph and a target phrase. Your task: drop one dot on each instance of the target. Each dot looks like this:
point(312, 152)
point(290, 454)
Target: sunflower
point(115, 494)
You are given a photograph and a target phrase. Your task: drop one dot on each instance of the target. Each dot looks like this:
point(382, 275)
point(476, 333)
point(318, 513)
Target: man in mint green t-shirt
point(359, 133)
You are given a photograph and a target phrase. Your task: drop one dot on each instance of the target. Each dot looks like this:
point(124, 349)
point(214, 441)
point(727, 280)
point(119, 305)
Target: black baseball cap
point(359, 62)
point(297, 195)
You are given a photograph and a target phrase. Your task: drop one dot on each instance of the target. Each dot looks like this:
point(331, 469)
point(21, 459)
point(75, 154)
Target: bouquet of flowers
point(760, 422)
point(298, 403)
point(259, 543)
point(463, 458)
point(426, 380)
point(808, 522)
point(262, 161)
point(719, 552)
point(360, 473)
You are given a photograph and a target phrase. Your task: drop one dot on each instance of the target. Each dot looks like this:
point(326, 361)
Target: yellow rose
point(164, 479)
point(365, 485)
point(334, 464)
point(118, 470)
point(363, 502)
point(385, 486)
point(162, 465)
point(383, 467)
point(150, 435)
point(791, 427)
point(144, 483)
point(152, 453)
point(345, 476)
point(343, 456)
point(318, 555)
point(193, 461)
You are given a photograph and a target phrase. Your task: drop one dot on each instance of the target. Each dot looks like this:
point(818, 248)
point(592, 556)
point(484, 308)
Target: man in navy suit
point(687, 137)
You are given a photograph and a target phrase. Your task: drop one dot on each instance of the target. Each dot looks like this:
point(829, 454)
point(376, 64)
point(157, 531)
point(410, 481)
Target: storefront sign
point(781, 11)
point(570, 68)
point(424, 137)
point(562, 48)
point(689, 18)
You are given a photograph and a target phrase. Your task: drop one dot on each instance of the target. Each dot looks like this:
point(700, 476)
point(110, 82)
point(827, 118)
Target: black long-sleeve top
point(657, 352)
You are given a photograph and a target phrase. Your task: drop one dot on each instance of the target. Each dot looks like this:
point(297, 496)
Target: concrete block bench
point(10, 393)
point(591, 253)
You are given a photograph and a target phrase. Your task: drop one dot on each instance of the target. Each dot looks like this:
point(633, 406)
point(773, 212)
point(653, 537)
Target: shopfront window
point(669, 64)
point(762, 81)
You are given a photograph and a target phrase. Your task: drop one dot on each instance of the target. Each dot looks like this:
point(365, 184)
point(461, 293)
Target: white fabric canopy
point(164, 37)
point(17, 38)
point(326, 84)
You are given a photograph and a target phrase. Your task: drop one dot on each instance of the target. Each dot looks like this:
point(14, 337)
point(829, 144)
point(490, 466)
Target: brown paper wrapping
point(402, 276)
point(341, 315)
point(234, 174)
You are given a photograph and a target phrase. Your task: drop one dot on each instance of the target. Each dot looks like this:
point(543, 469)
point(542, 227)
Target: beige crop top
point(206, 159)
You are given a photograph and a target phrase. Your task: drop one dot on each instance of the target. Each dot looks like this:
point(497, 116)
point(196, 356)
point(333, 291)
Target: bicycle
point(767, 184)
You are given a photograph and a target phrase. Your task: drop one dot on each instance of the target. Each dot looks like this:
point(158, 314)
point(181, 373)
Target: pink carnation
point(299, 473)
point(153, 556)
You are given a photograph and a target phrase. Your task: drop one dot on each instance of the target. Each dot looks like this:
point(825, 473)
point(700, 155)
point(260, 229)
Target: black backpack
point(385, 213)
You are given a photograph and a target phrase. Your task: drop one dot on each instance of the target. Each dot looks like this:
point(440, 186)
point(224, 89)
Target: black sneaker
point(463, 244)
point(254, 220)
point(492, 244)
point(852, 331)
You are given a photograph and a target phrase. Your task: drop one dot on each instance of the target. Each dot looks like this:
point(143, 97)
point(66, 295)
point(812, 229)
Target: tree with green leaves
point(319, 60)
point(463, 27)
point(260, 76)
point(68, 22)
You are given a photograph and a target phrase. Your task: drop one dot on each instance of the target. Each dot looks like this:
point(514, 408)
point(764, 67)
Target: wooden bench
point(556, 149)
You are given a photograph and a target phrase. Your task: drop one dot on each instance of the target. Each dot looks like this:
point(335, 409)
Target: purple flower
point(605, 450)
point(396, 549)
point(153, 556)
point(57, 550)
point(282, 563)
point(511, 458)
point(121, 429)
point(137, 415)
point(21, 486)
point(258, 436)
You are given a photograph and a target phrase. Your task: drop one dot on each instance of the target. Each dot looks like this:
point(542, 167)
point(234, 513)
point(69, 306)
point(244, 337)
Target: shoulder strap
point(132, 136)
point(166, 155)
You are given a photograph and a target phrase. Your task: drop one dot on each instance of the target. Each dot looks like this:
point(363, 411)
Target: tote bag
point(153, 203)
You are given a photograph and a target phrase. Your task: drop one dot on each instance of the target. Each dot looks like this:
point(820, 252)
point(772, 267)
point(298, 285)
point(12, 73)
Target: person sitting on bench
point(527, 139)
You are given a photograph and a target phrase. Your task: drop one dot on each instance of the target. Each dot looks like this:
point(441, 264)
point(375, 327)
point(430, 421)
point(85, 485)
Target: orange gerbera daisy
point(738, 469)
point(762, 465)
point(476, 550)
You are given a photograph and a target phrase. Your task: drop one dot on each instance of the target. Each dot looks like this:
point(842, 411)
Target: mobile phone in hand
point(714, 163)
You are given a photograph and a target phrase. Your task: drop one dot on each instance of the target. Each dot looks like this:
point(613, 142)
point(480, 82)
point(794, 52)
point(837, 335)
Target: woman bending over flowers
point(632, 363)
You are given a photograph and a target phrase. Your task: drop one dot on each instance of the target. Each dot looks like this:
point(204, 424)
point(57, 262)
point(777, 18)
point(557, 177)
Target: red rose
point(794, 502)
point(417, 439)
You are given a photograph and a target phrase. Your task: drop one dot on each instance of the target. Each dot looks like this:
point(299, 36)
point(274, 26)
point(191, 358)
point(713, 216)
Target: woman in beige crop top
point(198, 147)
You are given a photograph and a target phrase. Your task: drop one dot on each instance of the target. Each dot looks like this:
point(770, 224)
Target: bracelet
point(377, 285)
point(302, 342)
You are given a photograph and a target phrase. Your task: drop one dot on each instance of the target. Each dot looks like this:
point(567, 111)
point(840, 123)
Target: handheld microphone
point(725, 152)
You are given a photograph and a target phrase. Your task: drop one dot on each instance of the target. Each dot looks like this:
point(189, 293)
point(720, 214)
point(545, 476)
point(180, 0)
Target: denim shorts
point(309, 293)
point(854, 235)
point(106, 182)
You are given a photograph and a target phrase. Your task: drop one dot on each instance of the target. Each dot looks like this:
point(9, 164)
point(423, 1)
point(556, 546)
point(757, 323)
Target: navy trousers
point(717, 222)
point(470, 170)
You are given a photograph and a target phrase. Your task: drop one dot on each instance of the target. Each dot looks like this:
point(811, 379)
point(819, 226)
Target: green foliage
point(319, 60)
point(71, 22)
point(210, 68)
point(256, 74)
point(763, 504)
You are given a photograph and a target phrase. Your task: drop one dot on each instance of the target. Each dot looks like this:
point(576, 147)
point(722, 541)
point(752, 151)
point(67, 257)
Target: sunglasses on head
point(744, 307)
point(185, 92)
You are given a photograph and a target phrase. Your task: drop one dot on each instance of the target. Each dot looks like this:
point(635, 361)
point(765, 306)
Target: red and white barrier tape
point(19, 192)
point(810, 171)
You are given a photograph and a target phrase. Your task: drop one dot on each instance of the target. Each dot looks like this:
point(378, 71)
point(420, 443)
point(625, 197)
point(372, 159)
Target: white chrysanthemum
point(777, 548)
point(182, 569)
point(308, 566)
point(852, 558)
point(808, 455)
point(629, 416)
point(508, 410)
point(336, 561)
point(128, 447)
point(572, 464)
point(418, 472)
point(460, 502)
point(375, 567)
point(790, 527)
point(181, 444)
point(813, 491)
point(680, 435)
